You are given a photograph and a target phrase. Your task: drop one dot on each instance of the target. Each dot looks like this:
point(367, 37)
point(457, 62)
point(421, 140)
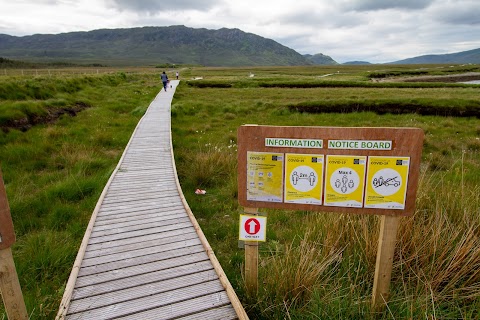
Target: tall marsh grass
point(321, 265)
point(330, 265)
point(208, 165)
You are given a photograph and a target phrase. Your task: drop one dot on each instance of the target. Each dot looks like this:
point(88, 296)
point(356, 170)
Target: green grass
point(55, 173)
point(313, 265)
point(321, 265)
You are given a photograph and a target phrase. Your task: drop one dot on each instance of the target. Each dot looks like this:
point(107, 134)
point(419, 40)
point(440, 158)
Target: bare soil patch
point(52, 115)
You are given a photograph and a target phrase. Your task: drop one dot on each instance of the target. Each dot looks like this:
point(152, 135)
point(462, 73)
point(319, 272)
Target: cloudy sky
point(370, 30)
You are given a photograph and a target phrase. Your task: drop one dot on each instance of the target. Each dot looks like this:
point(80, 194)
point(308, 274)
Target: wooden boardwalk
point(143, 255)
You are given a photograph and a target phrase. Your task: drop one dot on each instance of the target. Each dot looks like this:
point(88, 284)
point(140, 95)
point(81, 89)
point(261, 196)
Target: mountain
point(471, 56)
point(152, 45)
point(356, 63)
point(320, 59)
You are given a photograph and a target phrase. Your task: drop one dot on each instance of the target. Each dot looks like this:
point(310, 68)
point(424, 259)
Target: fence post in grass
point(383, 268)
point(251, 260)
point(9, 284)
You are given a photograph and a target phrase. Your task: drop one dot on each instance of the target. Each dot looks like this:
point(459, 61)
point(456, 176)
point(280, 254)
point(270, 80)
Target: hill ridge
point(152, 45)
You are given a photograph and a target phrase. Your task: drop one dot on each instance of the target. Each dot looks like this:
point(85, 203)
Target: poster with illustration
point(265, 176)
point(344, 181)
point(387, 180)
point(303, 178)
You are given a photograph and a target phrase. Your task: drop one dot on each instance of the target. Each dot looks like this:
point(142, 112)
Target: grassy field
point(55, 172)
point(321, 265)
point(314, 265)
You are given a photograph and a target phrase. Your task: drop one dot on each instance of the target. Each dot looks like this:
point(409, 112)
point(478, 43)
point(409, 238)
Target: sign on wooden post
point(9, 284)
point(251, 260)
point(333, 169)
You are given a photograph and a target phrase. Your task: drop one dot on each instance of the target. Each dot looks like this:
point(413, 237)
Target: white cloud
point(465, 12)
point(372, 30)
point(372, 5)
point(153, 6)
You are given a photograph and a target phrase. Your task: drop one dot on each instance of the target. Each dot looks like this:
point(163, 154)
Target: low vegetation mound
point(447, 108)
point(25, 102)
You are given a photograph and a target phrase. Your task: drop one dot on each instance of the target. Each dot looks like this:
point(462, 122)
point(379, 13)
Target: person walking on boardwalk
point(164, 80)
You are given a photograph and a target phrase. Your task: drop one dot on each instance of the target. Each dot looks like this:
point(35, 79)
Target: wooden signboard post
point(331, 169)
point(9, 284)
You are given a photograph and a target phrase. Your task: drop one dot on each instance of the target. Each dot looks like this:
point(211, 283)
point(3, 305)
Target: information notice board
point(354, 170)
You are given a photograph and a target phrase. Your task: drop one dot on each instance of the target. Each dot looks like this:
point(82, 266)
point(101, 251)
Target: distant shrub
point(386, 74)
point(209, 84)
point(453, 108)
point(356, 84)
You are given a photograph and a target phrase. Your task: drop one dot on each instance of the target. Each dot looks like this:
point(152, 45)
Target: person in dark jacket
point(164, 80)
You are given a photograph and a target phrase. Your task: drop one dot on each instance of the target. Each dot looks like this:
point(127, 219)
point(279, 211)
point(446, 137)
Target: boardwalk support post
point(251, 260)
point(385, 252)
point(9, 284)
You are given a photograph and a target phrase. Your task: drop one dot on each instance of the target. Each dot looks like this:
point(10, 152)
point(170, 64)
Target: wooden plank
point(139, 188)
point(134, 306)
point(142, 180)
point(148, 237)
point(144, 226)
point(134, 192)
point(138, 216)
point(159, 175)
point(144, 244)
point(174, 254)
point(110, 213)
point(97, 288)
point(144, 175)
point(183, 308)
point(118, 199)
point(147, 205)
point(124, 255)
point(140, 220)
point(221, 313)
point(135, 291)
point(139, 233)
point(146, 165)
point(86, 278)
point(127, 192)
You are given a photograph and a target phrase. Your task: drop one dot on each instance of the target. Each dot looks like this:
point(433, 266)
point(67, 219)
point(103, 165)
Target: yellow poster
point(344, 181)
point(303, 178)
point(265, 176)
point(387, 180)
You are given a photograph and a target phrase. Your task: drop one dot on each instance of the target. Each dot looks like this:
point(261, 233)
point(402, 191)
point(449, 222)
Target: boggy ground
point(52, 115)
point(453, 78)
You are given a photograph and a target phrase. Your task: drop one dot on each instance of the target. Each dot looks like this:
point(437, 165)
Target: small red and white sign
point(253, 228)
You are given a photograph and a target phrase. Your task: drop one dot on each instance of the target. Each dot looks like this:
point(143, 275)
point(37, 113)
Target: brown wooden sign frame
point(404, 142)
point(263, 145)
